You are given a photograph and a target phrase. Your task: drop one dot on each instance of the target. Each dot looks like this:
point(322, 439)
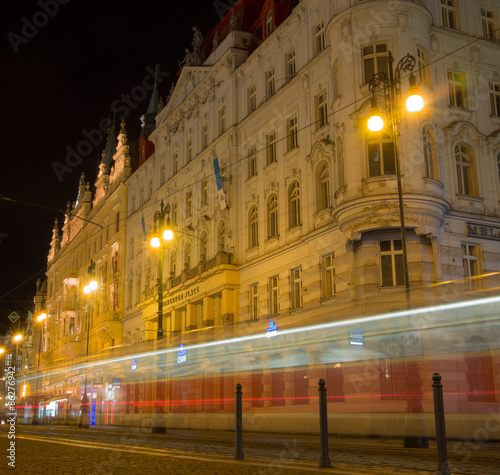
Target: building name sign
point(487, 232)
point(182, 355)
point(182, 295)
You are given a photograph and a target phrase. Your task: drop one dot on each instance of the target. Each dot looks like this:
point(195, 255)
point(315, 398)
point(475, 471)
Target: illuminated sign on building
point(182, 355)
point(272, 331)
point(356, 337)
point(134, 364)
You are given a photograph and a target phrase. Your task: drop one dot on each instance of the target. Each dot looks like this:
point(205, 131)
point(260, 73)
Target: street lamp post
point(161, 228)
point(88, 289)
point(36, 414)
point(390, 84)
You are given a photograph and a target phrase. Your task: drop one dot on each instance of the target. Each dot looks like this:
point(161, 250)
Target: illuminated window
point(269, 22)
point(271, 148)
point(464, 165)
point(495, 98)
point(321, 111)
point(252, 98)
point(470, 259)
point(252, 162)
point(273, 295)
point(294, 205)
point(323, 187)
point(374, 60)
point(295, 288)
point(488, 22)
point(391, 263)
point(290, 64)
point(456, 89)
point(272, 216)
point(254, 302)
point(253, 225)
point(328, 277)
point(448, 14)
point(319, 37)
point(381, 155)
point(270, 83)
point(292, 133)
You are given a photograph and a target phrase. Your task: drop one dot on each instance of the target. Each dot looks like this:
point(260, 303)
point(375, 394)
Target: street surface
point(63, 450)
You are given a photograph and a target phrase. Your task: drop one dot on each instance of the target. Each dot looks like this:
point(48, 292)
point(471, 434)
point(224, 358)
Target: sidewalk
point(284, 451)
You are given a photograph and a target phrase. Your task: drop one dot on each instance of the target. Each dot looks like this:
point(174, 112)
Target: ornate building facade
point(284, 207)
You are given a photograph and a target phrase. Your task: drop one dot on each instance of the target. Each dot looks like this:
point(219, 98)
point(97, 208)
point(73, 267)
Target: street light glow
point(93, 285)
point(155, 242)
point(18, 337)
point(375, 123)
point(168, 235)
point(415, 102)
point(41, 317)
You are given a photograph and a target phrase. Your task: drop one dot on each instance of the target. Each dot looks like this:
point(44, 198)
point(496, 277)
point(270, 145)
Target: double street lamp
point(162, 235)
point(414, 433)
point(36, 415)
point(88, 289)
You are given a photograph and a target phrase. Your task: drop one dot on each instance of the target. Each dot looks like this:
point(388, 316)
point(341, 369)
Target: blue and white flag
point(218, 179)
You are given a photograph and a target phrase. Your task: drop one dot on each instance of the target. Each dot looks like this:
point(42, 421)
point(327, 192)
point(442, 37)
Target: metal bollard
point(238, 454)
point(437, 389)
point(324, 459)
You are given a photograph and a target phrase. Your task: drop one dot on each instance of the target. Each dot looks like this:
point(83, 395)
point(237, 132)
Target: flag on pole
point(218, 179)
point(144, 234)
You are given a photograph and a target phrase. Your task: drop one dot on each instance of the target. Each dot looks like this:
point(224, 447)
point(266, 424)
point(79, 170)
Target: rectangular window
point(374, 60)
point(470, 259)
point(204, 192)
point(175, 163)
point(391, 263)
point(252, 162)
point(488, 22)
point(423, 66)
point(270, 83)
point(189, 149)
point(292, 133)
point(254, 302)
point(71, 325)
point(271, 148)
point(321, 111)
point(273, 296)
point(381, 156)
point(204, 136)
point(174, 214)
point(252, 98)
point(222, 120)
point(189, 203)
point(456, 89)
point(290, 64)
point(495, 98)
point(328, 277)
point(295, 288)
point(319, 37)
point(448, 14)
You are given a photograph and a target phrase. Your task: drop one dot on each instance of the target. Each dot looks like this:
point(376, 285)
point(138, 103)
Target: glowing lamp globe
point(414, 103)
point(155, 242)
point(93, 285)
point(168, 235)
point(375, 123)
point(41, 317)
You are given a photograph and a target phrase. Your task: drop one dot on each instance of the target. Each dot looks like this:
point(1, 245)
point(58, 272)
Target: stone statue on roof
point(233, 22)
point(216, 40)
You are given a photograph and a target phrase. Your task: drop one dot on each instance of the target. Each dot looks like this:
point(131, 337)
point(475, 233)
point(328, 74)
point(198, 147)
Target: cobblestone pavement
point(62, 450)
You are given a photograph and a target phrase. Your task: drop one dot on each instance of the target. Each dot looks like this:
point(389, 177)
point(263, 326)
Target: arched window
point(323, 187)
point(269, 22)
point(253, 226)
point(187, 254)
point(464, 163)
point(222, 237)
point(294, 204)
point(204, 247)
point(272, 216)
point(430, 169)
point(340, 161)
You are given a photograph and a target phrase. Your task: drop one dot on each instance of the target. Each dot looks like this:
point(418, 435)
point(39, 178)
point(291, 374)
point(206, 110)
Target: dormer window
point(269, 22)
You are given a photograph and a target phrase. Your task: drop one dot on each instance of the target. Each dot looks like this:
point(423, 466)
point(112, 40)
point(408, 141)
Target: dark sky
point(58, 79)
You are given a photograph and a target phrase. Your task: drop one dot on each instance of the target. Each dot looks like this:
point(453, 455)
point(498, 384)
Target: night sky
point(59, 78)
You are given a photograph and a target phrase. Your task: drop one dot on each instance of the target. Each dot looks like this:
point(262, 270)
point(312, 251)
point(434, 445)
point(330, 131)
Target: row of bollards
point(324, 460)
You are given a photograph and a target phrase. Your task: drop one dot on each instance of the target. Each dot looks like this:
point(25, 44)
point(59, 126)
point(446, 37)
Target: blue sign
point(356, 337)
point(272, 331)
point(134, 364)
point(182, 355)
